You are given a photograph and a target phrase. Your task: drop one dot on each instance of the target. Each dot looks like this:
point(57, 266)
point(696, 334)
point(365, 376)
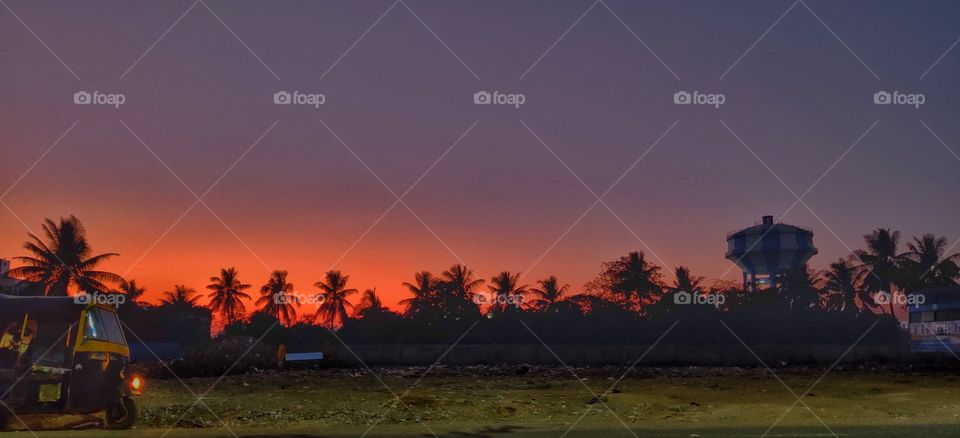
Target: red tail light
point(136, 383)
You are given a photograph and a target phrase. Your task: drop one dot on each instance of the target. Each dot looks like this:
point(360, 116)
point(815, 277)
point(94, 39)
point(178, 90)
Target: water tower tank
point(765, 251)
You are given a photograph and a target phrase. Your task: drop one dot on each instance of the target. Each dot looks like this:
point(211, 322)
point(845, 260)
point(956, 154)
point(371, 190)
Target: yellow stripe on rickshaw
point(94, 346)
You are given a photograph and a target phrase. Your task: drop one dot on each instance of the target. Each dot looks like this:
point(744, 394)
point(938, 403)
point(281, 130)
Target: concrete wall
point(150, 351)
point(575, 355)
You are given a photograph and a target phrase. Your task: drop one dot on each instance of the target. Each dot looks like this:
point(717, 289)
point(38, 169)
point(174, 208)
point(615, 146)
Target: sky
point(597, 161)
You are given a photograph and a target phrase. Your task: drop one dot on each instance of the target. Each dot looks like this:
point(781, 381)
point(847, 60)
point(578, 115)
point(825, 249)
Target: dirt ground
point(523, 401)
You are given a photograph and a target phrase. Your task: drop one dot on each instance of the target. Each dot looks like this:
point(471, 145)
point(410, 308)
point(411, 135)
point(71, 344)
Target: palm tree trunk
point(890, 291)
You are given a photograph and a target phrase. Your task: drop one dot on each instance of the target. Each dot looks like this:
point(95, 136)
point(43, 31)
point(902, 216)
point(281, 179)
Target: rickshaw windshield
point(103, 326)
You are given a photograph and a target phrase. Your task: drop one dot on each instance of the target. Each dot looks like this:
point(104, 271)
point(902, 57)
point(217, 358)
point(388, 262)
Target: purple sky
point(202, 93)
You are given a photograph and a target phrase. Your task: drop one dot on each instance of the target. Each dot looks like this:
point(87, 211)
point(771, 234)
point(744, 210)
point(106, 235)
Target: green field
point(543, 403)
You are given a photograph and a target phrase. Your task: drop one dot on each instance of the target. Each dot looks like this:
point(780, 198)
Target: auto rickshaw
point(63, 355)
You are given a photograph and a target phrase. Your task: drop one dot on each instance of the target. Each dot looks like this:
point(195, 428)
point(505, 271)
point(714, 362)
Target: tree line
point(630, 287)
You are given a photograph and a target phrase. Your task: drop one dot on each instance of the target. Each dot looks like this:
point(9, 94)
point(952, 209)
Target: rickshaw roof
point(42, 307)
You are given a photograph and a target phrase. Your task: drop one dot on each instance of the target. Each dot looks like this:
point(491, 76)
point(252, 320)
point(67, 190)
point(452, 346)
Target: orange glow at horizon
point(199, 246)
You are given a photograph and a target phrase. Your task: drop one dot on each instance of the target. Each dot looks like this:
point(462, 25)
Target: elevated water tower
point(764, 252)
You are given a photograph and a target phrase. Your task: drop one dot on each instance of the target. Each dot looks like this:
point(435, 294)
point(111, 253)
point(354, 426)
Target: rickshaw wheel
point(122, 414)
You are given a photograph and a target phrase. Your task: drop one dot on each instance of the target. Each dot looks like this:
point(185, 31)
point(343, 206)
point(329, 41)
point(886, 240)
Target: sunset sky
point(301, 188)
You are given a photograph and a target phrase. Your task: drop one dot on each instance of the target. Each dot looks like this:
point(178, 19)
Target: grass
point(660, 403)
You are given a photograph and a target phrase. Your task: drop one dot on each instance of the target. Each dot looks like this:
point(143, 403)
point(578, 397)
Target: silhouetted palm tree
point(228, 295)
point(133, 291)
point(461, 281)
point(686, 282)
point(631, 280)
point(370, 304)
point(424, 297)
point(334, 290)
point(548, 294)
point(507, 293)
point(456, 293)
point(638, 278)
point(64, 262)
point(841, 287)
point(880, 260)
point(926, 267)
point(798, 287)
point(276, 298)
point(181, 297)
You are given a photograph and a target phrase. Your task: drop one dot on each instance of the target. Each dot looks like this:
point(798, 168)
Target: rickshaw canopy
point(47, 308)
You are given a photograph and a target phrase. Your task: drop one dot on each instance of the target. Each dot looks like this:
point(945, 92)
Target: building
point(935, 323)
point(766, 251)
point(8, 284)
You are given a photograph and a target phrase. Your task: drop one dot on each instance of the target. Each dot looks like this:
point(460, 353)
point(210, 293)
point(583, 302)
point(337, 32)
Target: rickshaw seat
point(52, 358)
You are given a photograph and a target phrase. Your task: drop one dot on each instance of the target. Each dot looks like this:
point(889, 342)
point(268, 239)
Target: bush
point(225, 355)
